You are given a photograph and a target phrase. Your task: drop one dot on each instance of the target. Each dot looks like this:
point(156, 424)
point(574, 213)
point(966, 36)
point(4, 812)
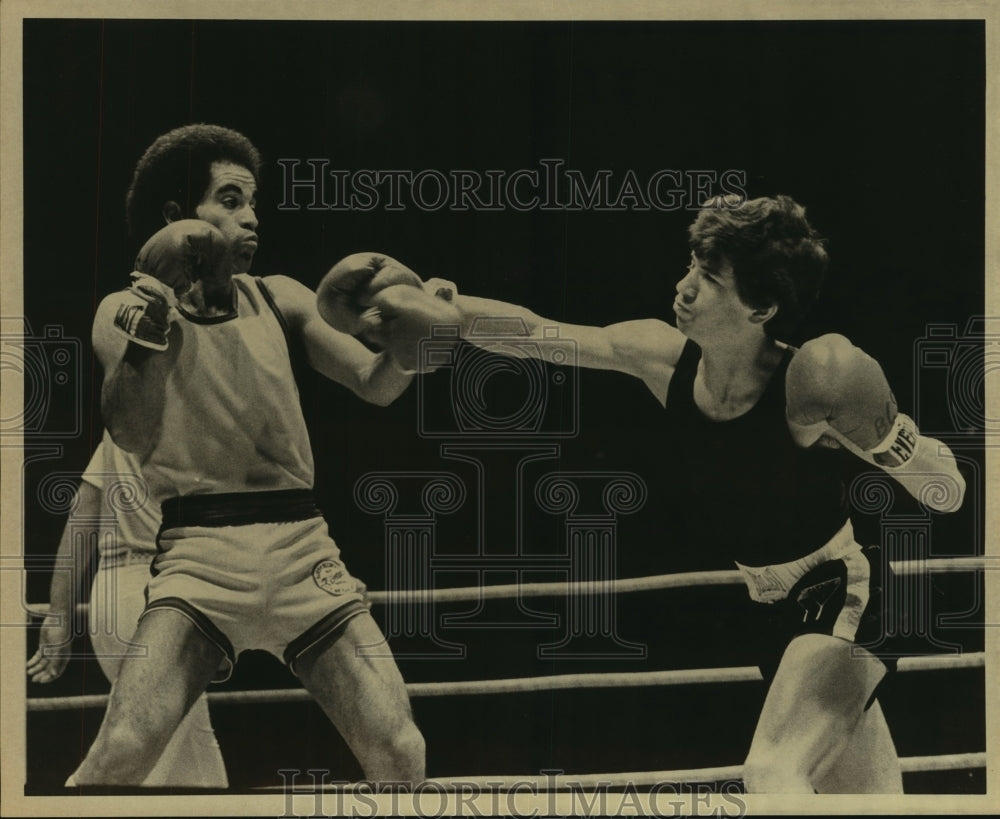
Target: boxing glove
point(442, 288)
point(183, 252)
point(831, 383)
point(830, 380)
point(145, 312)
point(170, 261)
point(405, 316)
point(345, 296)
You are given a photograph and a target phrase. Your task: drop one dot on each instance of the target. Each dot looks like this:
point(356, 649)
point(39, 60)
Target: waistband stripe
point(240, 508)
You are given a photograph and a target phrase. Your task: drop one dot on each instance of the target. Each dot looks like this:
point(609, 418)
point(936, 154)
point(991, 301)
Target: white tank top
point(231, 420)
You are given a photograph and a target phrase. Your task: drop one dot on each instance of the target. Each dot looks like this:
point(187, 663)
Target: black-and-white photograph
point(445, 411)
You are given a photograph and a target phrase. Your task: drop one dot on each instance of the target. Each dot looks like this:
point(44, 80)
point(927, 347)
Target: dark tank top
point(750, 493)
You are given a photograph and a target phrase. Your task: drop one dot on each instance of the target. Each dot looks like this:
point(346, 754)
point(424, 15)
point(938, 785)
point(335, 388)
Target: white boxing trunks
point(250, 582)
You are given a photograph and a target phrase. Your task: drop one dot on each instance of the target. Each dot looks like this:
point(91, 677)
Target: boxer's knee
point(123, 754)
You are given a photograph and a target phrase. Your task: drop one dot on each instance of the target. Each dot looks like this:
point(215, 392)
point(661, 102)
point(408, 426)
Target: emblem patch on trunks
point(332, 577)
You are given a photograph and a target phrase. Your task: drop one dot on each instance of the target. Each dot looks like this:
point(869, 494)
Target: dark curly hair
point(777, 256)
point(177, 167)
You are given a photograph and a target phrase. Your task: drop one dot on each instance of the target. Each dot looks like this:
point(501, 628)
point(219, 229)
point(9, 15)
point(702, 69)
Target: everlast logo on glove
point(899, 445)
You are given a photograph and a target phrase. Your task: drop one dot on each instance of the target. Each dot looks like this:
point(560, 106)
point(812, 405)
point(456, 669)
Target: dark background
point(878, 127)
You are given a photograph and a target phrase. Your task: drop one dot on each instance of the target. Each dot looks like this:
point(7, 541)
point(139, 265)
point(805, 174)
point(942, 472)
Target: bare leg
point(366, 700)
point(192, 757)
point(812, 710)
point(148, 700)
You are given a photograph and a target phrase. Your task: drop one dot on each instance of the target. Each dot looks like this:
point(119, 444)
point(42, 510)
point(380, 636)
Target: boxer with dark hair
point(198, 385)
point(753, 426)
point(173, 174)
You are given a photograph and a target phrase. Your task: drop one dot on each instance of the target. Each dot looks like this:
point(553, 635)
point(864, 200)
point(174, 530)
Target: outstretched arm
point(836, 389)
point(56, 635)
point(647, 349)
point(375, 377)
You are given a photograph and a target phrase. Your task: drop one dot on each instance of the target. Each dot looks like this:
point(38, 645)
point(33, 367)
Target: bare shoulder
point(294, 299)
point(287, 287)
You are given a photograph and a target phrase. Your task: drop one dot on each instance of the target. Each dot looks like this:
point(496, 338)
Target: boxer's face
point(229, 204)
point(707, 304)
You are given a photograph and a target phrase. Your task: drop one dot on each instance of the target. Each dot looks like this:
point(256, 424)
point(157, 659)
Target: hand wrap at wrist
point(899, 446)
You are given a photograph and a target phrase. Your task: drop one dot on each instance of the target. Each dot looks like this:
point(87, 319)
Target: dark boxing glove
point(405, 316)
point(346, 296)
point(168, 263)
point(183, 252)
point(145, 312)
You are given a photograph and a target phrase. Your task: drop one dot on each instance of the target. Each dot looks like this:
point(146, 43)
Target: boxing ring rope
point(597, 680)
point(516, 685)
point(675, 580)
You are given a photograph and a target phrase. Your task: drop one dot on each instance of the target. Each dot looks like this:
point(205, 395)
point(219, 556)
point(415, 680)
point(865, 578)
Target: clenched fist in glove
point(384, 302)
point(170, 261)
point(345, 297)
point(146, 311)
point(182, 253)
point(407, 315)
